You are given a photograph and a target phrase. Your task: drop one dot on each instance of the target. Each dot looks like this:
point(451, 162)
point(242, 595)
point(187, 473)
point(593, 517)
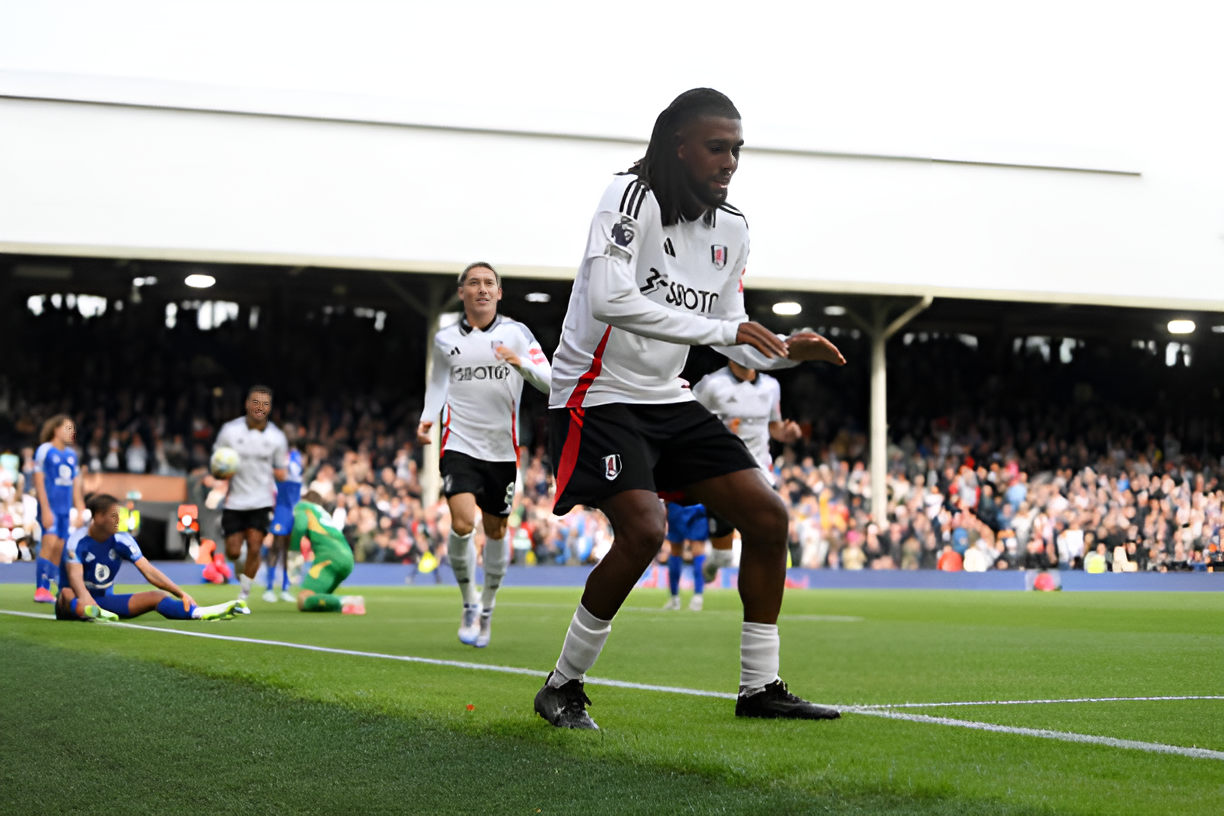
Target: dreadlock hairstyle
point(660, 168)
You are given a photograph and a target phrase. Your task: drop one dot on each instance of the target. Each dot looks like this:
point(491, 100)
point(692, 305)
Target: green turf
point(657, 752)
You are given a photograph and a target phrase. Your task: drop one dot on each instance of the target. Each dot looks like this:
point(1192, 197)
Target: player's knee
point(462, 527)
point(768, 524)
point(643, 534)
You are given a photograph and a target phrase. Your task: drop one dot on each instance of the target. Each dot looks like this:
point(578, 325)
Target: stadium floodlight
point(538, 297)
point(787, 308)
point(199, 281)
point(835, 311)
point(1218, 329)
point(1181, 327)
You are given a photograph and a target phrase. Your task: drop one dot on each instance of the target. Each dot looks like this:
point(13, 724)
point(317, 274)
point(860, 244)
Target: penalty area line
point(870, 711)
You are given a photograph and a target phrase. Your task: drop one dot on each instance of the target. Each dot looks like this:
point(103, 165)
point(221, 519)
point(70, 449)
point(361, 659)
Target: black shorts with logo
point(237, 521)
point(603, 450)
point(491, 482)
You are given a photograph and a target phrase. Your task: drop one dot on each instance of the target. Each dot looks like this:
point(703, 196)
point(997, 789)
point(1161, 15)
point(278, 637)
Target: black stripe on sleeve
point(641, 197)
point(630, 187)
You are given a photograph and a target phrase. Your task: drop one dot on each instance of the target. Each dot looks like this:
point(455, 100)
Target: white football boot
point(469, 624)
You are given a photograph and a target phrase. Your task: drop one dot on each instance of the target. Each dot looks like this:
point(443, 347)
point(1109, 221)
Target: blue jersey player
point(288, 492)
point(90, 564)
point(57, 485)
point(687, 528)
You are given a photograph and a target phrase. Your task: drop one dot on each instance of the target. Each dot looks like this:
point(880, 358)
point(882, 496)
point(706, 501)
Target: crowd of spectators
point(962, 495)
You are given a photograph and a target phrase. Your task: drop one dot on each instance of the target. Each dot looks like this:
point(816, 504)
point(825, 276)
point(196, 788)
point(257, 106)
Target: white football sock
point(721, 558)
point(583, 643)
point(759, 644)
point(495, 553)
point(462, 551)
point(244, 584)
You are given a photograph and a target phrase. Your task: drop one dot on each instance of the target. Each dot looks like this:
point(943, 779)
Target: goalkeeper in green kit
point(333, 559)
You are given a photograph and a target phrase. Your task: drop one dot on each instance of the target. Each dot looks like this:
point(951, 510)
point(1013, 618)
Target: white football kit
point(253, 487)
point(643, 294)
point(755, 404)
point(478, 394)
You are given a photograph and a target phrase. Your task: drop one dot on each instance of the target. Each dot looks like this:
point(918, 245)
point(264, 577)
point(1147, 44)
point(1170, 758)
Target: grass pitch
point(120, 720)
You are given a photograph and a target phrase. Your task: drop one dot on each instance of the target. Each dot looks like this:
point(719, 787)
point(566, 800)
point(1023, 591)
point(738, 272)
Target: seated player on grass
point(91, 561)
point(333, 559)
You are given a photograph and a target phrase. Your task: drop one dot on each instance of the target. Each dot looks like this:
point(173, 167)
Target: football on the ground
point(224, 463)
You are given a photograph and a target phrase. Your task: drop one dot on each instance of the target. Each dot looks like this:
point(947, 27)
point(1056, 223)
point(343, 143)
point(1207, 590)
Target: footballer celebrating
point(263, 461)
point(749, 403)
point(57, 485)
point(662, 268)
point(478, 367)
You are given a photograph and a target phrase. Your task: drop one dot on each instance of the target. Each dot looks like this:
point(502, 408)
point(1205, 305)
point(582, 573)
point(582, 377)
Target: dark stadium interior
point(338, 335)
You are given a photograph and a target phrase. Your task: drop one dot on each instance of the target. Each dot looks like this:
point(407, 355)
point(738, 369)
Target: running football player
point(662, 270)
point(287, 494)
point(57, 486)
point(333, 559)
point(263, 455)
point(90, 564)
point(478, 367)
point(749, 403)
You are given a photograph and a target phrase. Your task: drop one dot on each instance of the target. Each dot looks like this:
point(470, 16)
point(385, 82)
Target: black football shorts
point(603, 450)
point(491, 482)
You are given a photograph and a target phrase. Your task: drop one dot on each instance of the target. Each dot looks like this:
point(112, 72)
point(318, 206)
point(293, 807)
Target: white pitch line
point(871, 711)
point(1039, 702)
point(1064, 736)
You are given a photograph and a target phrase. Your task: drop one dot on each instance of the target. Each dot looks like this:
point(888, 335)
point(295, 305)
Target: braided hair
point(661, 169)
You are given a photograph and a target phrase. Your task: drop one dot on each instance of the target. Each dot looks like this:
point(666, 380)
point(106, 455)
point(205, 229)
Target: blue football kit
point(288, 493)
point(59, 469)
point(100, 562)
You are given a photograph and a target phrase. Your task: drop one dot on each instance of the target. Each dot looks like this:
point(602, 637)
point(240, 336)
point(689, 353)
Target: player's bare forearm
point(158, 578)
point(423, 437)
point(76, 580)
point(280, 474)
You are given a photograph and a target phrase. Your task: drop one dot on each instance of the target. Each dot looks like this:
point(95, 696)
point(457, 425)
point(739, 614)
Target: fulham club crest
point(718, 254)
point(612, 466)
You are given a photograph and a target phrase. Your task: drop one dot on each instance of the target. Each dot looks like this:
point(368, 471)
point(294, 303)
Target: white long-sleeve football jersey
point(755, 404)
point(477, 394)
point(643, 294)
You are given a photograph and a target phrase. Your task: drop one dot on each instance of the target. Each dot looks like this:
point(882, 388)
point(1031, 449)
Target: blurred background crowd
point(964, 493)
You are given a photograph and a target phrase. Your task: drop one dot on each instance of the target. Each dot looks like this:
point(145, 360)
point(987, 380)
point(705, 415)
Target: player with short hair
point(263, 455)
point(662, 271)
point(91, 561)
point(749, 403)
point(288, 492)
point(333, 559)
point(57, 485)
point(478, 367)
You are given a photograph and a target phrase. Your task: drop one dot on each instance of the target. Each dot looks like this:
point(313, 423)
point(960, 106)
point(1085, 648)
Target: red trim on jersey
point(514, 428)
point(584, 382)
point(445, 432)
point(569, 453)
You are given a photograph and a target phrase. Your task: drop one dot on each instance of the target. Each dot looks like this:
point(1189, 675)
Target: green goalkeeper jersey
point(326, 540)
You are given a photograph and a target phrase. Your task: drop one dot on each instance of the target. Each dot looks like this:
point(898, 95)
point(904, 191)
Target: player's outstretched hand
point(805, 346)
point(791, 431)
point(506, 354)
point(761, 339)
point(187, 600)
point(84, 602)
point(423, 437)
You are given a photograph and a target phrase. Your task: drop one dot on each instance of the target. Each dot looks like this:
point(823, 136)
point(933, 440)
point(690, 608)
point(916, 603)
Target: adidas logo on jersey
point(668, 248)
point(454, 352)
